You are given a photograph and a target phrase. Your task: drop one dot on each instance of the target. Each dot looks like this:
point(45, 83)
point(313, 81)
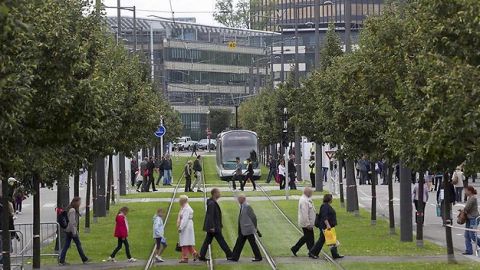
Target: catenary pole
point(406, 227)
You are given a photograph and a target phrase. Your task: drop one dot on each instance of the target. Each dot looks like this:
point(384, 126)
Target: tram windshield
point(242, 145)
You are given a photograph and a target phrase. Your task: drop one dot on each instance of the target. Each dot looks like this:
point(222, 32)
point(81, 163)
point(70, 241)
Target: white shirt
point(281, 169)
point(460, 176)
point(306, 212)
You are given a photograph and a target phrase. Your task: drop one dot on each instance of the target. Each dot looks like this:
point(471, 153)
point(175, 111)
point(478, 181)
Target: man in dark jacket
point(291, 172)
point(213, 226)
point(272, 165)
point(197, 168)
point(151, 180)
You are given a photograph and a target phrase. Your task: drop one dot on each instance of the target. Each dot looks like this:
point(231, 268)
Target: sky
point(202, 9)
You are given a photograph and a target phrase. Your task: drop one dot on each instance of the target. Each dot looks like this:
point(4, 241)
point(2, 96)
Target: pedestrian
point(471, 210)
point(363, 166)
point(415, 195)
point(237, 174)
point(247, 228)
point(121, 233)
point(144, 172)
point(186, 230)
point(194, 149)
point(282, 173)
point(292, 170)
point(428, 180)
point(133, 171)
point(71, 232)
point(151, 180)
point(441, 199)
point(161, 170)
point(249, 176)
point(272, 166)
point(158, 234)
point(311, 165)
point(457, 181)
point(19, 196)
point(306, 221)
point(327, 218)
point(187, 170)
point(197, 168)
point(213, 226)
point(167, 167)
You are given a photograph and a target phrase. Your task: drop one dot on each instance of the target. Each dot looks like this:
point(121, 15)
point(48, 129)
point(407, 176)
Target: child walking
point(158, 235)
point(121, 233)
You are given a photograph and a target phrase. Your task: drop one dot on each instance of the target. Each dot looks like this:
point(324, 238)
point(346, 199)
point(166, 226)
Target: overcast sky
point(203, 8)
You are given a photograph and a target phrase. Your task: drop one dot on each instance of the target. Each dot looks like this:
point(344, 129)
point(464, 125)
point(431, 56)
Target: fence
point(17, 249)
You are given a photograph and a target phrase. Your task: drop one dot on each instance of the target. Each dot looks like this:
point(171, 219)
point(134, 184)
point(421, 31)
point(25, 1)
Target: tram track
point(327, 257)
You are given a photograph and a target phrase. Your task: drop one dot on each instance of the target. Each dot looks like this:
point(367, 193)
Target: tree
point(238, 15)
point(219, 120)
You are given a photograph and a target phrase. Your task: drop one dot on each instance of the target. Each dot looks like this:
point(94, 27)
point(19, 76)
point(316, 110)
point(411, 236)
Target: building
point(199, 67)
point(283, 16)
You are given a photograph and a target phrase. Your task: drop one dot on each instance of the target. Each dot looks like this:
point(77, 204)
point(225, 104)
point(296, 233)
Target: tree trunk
point(76, 183)
point(5, 223)
point(391, 210)
point(298, 156)
point(448, 221)
point(340, 181)
point(100, 208)
point(94, 193)
point(122, 185)
point(36, 221)
point(109, 182)
point(420, 212)
point(406, 227)
point(88, 199)
point(373, 212)
point(352, 196)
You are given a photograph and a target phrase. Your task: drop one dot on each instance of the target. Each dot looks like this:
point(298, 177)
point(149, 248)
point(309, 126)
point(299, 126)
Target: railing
point(17, 249)
point(48, 235)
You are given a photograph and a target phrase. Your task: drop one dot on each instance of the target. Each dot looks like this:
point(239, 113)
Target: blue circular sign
point(160, 131)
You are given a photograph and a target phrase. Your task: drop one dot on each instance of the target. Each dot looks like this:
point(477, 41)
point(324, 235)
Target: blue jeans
point(271, 173)
point(470, 236)
point(167, 177)
point(325, 172)
point(68, 242)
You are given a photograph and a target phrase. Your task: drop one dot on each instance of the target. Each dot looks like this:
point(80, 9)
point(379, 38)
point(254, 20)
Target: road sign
point(160, 131)
point(330, 153)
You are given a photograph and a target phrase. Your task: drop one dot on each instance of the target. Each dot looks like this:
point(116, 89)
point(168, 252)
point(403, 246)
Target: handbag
point(178, 248)
point(330, 237)
point(438, 210)
point(462, 217)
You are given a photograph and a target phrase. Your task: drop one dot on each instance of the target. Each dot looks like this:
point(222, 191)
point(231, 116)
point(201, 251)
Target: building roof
point(143, 23)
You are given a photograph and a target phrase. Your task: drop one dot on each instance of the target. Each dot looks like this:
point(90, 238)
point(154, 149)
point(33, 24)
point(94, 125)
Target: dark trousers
point(307, 238)
point(237, 250)
point(282, 181)
point(68, 241)
point(363, 177)
point(152, 182)
point(271, 173)
point(188, 183)
point(160, 175)
point(244, 182)
point(133, 177)
point(291, 183)
point(236, 178)
point(325, 174)
point(319, 244)
point(121, 241)
point(312, 179)
point(458, 194)
point(221, 242)
point(145, 184)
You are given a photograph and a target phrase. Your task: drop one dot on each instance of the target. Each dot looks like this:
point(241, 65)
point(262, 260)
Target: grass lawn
point(410, 266)
point(99, 243)
point(359, 238)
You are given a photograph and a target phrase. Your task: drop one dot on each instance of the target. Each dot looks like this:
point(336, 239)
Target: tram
point(236, 143)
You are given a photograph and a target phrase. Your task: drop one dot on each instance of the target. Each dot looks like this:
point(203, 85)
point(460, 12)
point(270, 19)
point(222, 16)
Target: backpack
point(62, 218)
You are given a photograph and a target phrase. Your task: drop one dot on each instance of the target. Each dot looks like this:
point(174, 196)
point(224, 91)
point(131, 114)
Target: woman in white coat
point(186, 230)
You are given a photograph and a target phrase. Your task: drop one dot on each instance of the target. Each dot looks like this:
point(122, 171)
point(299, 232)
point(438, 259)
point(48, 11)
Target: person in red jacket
point(121, 233)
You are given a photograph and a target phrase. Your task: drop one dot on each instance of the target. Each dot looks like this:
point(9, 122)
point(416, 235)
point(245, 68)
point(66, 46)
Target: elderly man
point(306, 220)
point(247, 228)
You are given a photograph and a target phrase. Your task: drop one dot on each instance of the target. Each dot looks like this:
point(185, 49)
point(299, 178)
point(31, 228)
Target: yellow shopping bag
point(330, 237)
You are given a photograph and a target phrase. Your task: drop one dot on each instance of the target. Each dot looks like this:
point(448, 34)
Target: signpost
point(159, 133)
point(330, 154)
point(285, 144)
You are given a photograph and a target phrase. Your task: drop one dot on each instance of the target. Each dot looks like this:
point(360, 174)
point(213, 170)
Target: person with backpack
point(158, 235)
point(457, 181)
point(69, 219)
point(121, 233)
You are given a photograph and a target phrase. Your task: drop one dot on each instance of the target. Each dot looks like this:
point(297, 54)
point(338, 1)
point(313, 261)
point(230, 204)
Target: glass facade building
point(199, 67)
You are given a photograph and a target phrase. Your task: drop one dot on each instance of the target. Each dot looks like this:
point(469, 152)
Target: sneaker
point(63, 264)
point(159, 259)
point(110, 259)
point(86, 261)
point(132, 260)
point(16, 212)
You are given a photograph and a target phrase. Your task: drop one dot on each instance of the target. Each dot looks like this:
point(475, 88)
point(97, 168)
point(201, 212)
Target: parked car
point(202, 144)
point(181, 143)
